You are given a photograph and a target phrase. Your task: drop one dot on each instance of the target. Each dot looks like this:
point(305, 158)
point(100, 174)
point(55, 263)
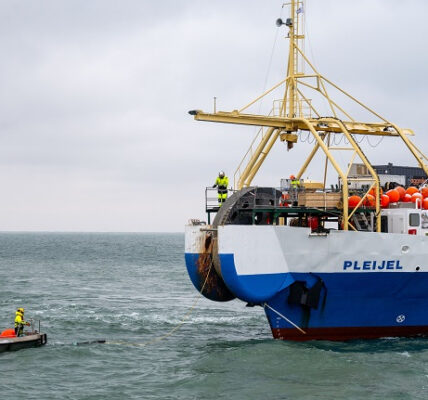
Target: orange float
point(425, 204)
point(353, 201)
point(401, 190)
point(394, 195)
point(407, 198)
point(384, 201)
point(411, 190)
point(8, 333)
point(424, 191)
point(373, 191)
point(369, 201)
point(415, 197)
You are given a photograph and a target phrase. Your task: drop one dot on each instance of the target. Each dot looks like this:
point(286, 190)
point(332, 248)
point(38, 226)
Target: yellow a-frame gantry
point(284, 121)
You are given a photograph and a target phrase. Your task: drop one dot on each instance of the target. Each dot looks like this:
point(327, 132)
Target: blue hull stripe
point(191, 264)
point(215, 288)
point(252, 288)
point(351, 299)
point(359, 300)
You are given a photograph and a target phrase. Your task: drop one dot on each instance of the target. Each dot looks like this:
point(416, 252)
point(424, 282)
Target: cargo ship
point(325, 261)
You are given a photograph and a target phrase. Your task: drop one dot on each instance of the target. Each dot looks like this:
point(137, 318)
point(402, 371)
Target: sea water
point(132, 290)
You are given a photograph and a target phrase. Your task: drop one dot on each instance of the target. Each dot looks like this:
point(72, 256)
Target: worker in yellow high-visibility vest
point(295, 186)
point(222, 182)
point(19, 322)
point(295, 183)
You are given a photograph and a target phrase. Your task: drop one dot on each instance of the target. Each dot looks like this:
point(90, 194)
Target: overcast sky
point(94, 95)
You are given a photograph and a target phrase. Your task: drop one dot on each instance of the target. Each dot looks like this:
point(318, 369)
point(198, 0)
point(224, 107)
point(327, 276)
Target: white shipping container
point(383, 178)
point(400, 179)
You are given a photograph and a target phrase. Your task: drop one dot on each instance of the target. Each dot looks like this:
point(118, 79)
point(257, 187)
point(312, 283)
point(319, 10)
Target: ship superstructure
point(324, 262)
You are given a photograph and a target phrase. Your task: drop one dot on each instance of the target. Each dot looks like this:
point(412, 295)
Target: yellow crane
point(296, 112)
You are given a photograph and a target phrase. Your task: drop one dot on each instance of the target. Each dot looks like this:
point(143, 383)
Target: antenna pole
point(295, 33)
point(292, 62)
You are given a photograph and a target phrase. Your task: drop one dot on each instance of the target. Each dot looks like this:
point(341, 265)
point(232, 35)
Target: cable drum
point(238, 209)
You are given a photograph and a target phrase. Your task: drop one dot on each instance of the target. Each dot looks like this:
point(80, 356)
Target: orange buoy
point(8, 333)
point(407, 198)
point(394, 195)
point(415, 197)
point(353, 201)
point(425, 204)
point(411, 189)
point(424, 191)
point(384, 201)
point(401, 190)
point(373, 192)
point(369, 201)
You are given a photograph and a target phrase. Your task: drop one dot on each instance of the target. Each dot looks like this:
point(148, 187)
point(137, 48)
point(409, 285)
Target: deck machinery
point(320, 269)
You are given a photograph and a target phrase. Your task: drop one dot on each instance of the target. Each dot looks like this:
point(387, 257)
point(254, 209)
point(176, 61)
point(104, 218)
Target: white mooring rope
point(284, 317)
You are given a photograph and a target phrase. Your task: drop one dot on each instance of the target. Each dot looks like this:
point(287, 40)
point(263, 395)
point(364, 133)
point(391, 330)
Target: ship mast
point(296, 112)
point(294, 35)
point(292, 63)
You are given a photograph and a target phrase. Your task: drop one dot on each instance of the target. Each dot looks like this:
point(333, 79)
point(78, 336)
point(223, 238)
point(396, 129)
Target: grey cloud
point(94, 99)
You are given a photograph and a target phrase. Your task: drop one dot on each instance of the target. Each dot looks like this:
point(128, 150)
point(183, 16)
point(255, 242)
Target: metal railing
point(304, 108)
point(33, 323)
point(211, 199)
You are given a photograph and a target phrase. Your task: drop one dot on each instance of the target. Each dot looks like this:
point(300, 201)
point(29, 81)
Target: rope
point(269, 67)
point(360, 140)
point(309, 139)
point(377, 144)
point(336, 135)
point(285, 318)
point(175, 328)
point(270, 59)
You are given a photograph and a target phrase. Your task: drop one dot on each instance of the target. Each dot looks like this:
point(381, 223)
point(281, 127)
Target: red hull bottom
point(346, 333)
